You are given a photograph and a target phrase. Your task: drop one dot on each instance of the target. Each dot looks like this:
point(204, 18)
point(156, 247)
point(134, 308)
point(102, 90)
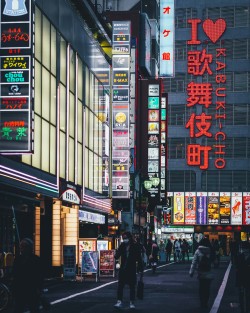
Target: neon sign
point(199, 63)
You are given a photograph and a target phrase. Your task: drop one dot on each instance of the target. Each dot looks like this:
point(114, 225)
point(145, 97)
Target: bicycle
point(5, 296)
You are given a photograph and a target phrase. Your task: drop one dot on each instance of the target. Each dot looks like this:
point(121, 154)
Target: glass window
point(36, 157)
point(79, 121)
point(80, 79)
point(38, 36)
point(53, 51)
point(45, 146)
point(91, 170)
point(46, 43)
point(38, 88)
point(79, 164)
point(53, 100)
point(86, 168)
point(240, 146)
point(240, 81)
point(45, 93)
point(62, 154)
point(71, 159)
point(62, 107)
point(71, 114)
point(72, 66)
point(52, 150)
point(241, 16)
point(63, 61)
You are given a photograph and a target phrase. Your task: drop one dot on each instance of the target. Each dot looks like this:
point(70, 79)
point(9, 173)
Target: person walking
point(185, 250)
point(27, 279)
point(168, 249)
point(154, 255)
point(202, 264)
point(177, 250)
point(242, 267)
point(131, 261)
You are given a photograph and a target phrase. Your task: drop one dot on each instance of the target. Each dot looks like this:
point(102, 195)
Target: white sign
point(70, 196)
point(167, 30)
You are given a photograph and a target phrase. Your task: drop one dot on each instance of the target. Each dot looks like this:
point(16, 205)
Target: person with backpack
point(202, 264)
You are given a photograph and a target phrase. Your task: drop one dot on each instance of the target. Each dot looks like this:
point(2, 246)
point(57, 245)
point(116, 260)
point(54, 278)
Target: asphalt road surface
point(170, 289)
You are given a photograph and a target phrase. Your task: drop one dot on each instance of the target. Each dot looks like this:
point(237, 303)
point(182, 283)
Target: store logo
point(15, 8)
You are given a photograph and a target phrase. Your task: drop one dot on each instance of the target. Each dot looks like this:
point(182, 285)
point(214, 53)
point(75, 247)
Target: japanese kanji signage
point(16, 99)
point(167, 25)
point(209, 96)
point(120, 108)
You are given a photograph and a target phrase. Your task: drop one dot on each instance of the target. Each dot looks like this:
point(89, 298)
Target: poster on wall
point(86, 245)
point(236, 208)
point(246, 208)
point(178, 217)
point(213, 208)
point(201, 208)
point(107, 263)
point(225, 208)
point(102, 245)
point(89, 262)
point(190, 208)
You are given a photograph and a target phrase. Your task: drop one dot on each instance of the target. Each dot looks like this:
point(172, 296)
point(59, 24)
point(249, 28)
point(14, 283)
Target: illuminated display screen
point(16, 77)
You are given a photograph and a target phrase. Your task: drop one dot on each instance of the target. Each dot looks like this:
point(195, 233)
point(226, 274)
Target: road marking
point(83, 292)
point(220, 294)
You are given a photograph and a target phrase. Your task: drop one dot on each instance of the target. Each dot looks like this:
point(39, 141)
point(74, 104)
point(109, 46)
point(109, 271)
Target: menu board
point(107, 263)
point(89, 262)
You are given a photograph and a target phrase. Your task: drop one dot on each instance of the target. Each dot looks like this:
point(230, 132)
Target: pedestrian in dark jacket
point(129, 253)
point(168, 249)
point(27, 279)
point(242, 265)
point(204, 275)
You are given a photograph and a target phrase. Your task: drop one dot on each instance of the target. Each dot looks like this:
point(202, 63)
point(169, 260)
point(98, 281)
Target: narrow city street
point(170, 289)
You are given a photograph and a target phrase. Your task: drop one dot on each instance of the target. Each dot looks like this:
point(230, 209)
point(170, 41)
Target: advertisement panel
point(201, 215)
point(178, 217)
point(89, 262)
point(107, 263)
point(225, 208)
point(16, 99)
point(236, 208)
point(190, 208)
point(246, 208)
point(86, 245)
point(213, 208)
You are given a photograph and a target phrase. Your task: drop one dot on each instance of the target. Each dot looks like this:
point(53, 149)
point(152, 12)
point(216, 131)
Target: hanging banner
point(246, 208)
point(236, 208)
point(178, 208)
point(225, 208)
point(213, 208)
point(201, 204)
point(190, 208)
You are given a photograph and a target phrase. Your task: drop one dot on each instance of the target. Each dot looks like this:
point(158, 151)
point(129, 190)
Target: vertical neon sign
point(199, 63)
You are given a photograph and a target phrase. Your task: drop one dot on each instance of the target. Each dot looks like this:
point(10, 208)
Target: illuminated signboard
point(201, 206)
point(236, 208)
point(225, 208)
point(178, 217)
point(246, 208)
point(201, 63)
point(16, 61)
point(213, 208)
point(190, 208)
point(120, 108)
point(167, 28)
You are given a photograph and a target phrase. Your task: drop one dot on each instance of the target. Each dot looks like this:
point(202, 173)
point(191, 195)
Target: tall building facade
point(220, 125)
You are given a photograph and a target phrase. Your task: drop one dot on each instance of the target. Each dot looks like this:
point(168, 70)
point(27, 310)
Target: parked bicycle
point(5, 296)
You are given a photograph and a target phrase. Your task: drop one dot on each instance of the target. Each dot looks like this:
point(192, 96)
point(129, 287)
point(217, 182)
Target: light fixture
point(148, 184)
point(155, 181)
